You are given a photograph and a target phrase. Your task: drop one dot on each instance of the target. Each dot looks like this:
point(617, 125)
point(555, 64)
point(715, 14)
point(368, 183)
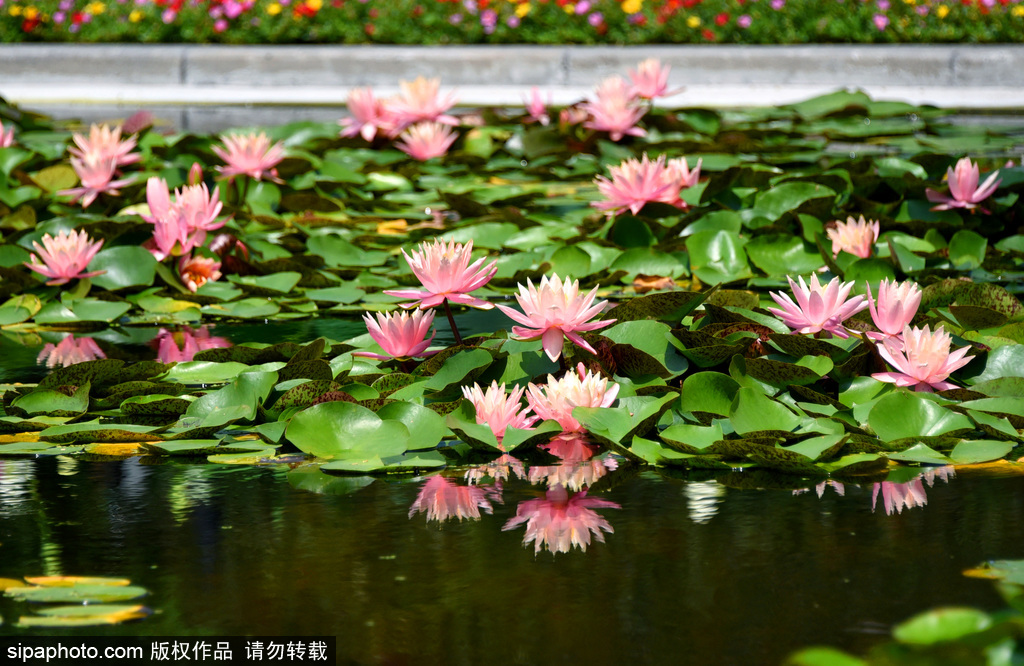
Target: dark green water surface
point(695, 572)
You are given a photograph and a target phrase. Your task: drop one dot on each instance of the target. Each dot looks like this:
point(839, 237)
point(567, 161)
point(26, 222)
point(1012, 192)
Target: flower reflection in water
point(182, 345)
point(69, 351)
point(560, 521)
point(443, 498)
point(578, 467)
point(501, 468)
point(820, 488)
point(896, 496)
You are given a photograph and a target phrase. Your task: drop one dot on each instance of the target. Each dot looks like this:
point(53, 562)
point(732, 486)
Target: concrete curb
point(101, 78)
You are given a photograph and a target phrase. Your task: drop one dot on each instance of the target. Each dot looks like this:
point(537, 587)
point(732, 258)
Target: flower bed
point(514, 21)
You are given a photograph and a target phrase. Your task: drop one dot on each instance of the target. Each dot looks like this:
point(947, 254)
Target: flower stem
point(451, 321)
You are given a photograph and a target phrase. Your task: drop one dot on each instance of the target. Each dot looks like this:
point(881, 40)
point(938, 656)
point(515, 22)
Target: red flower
point(722, 19)
point(708, 35)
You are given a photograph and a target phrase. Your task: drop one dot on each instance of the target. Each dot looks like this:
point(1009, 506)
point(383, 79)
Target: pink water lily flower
point(421, 101)
point(560, 522)
point(445, 272)
point(250, 155)
point(69, 351)
point(634, 184)
point(6, 136)
point(182, 345)
point(536, 109)
point(650, 79)
point(964, 191)
point(97, 178)
point(400, 335)
point(856, 237)
point(553, 311)
point(65, 257)
point(895, 308)
point(679, 174)
point(424, 141)
point(442, 498)
point(555, 400)
point(104, 143)
point(195, 271)
point(922, 360)
point(615, 110)
point(818, 308)
point(182, 224)
point(499, 410)
point(369, 116)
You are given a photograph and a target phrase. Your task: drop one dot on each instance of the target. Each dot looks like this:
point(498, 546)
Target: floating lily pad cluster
point(76, 601)
point(707, 377)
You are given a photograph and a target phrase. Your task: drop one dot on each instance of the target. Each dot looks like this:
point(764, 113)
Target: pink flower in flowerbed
point(65, 257)
point(499, 410)
point(560, 521)
point(922, 359)
point(556, 399)
point(442, 498)
point(554, 311)
point(615, 110)
point(69, 351)
point(369, 116)
point(424, 141)
point(964, 191)
point(97, 178)
point(894, 309)
point(421, 101)
point(6, 136)
point(250, 155)
point(857, 237)
point(195, 271)
point(400, 335)
point(650, 79)
point(818, 308)
point(444, 269)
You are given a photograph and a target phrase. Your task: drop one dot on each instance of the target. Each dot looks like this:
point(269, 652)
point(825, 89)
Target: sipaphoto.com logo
point(60, 652)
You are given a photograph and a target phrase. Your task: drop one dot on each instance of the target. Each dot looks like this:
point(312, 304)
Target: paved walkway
point(210, 87)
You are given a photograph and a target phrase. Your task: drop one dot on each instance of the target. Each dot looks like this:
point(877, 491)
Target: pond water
point(734, 568)
point(696, 567)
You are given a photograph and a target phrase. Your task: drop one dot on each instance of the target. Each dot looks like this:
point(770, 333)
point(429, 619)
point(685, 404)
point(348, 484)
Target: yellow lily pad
point(69, 581)
point(112, 449)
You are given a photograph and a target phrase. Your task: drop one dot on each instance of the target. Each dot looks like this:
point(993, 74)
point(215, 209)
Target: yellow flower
point(15, 10)
point(135, 16)
point(31, 13)
point(632, 6)
point(315, 5)
point(942, 11)
point(693, 21)
point(273, 9)
point(910, 2)
point(523, 9)
point(95, 8)
point(569, 9)
point(1018, 11)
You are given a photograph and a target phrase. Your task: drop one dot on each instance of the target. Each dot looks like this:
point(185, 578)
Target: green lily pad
point(81, 594)
point(942, 625)
point(343, 430)
point(904, 414)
